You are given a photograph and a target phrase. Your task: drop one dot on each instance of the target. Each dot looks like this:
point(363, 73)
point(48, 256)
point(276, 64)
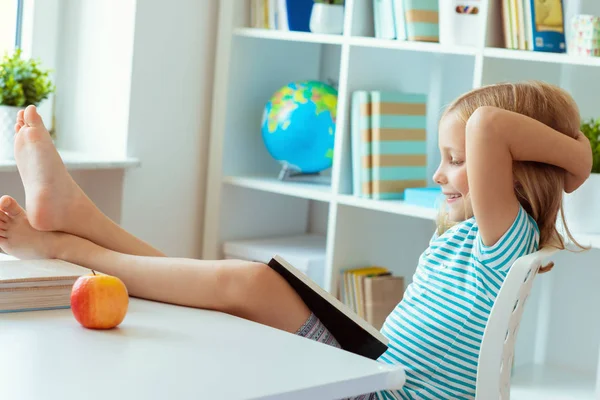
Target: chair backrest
point(498, 344)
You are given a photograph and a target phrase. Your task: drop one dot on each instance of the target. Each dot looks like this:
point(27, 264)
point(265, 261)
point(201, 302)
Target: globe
point(298, 126)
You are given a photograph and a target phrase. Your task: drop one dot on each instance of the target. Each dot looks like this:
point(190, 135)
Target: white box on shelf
point(305, 252)
point(461, 22)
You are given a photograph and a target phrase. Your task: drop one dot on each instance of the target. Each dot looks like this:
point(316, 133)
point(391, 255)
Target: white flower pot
point(327, 18)
point(8, 119)
point(582, 207)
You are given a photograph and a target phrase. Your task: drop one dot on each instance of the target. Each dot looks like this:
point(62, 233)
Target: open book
point(352, 332)
point(28, 285)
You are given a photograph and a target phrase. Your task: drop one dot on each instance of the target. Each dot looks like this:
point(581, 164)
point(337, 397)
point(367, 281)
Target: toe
point(32, 118)
point(10, 206)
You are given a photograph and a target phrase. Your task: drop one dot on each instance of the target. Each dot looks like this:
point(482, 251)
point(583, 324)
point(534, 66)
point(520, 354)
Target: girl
point(508, 152)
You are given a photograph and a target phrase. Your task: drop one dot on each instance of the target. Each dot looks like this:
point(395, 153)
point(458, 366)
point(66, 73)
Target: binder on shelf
point(422, 20)
point(398, 143)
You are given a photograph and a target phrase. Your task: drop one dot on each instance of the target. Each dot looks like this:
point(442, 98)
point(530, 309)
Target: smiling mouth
point(452, 197)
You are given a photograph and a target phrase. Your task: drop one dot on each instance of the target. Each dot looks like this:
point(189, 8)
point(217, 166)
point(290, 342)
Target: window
point(11, 16)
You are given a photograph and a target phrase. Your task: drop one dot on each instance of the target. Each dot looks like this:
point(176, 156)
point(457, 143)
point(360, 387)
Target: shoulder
point(521, 238)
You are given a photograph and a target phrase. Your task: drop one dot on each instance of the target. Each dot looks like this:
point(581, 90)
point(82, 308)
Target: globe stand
point(288, 174)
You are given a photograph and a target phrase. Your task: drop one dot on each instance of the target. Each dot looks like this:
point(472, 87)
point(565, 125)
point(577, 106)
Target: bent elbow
point(484, 120)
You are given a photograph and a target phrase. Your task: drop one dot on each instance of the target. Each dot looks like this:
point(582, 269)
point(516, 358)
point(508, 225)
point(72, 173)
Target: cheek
point(462, 183)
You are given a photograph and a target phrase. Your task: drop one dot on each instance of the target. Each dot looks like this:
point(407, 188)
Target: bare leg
point(248, 290)
point(54, 201)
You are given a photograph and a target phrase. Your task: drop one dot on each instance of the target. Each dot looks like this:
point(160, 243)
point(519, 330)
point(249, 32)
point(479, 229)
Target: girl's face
point(451, 174)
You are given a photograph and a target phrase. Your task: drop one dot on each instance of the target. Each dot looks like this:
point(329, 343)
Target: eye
point(456, 162)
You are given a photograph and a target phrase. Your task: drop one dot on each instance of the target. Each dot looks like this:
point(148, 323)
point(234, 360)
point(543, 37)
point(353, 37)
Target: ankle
point(59, 245)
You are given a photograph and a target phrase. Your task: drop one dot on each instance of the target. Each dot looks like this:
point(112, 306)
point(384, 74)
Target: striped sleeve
point(520, 239)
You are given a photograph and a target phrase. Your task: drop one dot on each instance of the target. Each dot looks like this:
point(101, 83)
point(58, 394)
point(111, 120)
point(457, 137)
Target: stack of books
point(389, 143)
point(283, 15)
point(415, 20)
point(536, 25)
point(371, 292)
point(37, 284)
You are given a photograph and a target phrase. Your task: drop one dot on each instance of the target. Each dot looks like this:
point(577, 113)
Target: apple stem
point(93, 272)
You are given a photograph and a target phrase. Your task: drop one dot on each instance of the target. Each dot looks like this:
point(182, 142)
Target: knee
point(248, 287)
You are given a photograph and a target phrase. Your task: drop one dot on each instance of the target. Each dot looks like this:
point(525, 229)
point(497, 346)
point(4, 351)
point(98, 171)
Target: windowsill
point(82, 161)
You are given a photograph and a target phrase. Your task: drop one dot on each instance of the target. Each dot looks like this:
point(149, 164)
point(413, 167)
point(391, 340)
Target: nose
point(439, 176)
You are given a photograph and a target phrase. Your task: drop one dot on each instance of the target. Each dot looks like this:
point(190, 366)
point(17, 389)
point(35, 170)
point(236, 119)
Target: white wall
point(169, 122)
point(143, 88)
point(94, 75)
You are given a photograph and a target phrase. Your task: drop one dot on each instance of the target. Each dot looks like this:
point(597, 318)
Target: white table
point(162, 351)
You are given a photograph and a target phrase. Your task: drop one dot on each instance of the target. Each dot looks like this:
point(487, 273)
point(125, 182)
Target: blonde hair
point(538, 187)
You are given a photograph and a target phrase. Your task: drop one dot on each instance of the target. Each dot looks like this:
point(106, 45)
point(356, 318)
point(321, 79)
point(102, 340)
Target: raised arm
point(494, 139)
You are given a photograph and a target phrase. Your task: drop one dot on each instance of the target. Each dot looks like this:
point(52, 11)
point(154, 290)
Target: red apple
point(99, 301)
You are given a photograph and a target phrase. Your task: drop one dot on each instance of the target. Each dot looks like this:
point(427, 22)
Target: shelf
point(540, 382)
point(357, 41)
point(81, 161)
point(411, 45)
point(588, 240)
point(274, 185)
point(291, 36)
point(538, 56)
point(389, 206)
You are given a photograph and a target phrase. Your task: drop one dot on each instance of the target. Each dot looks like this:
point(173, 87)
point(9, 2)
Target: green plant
point(22, 81)
point(591, 129)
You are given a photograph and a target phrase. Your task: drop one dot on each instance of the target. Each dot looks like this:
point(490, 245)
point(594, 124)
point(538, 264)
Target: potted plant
point(582, 207)
point(22, 83)
point(327, 16)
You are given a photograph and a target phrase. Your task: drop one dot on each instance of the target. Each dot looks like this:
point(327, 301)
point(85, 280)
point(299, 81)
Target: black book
point(352, 332)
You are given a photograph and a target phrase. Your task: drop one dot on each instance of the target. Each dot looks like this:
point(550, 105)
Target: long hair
point(538, 186)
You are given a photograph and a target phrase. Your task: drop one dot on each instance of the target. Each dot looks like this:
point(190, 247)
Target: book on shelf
point(534, 25)
point(422, 20)
point(284, 15)
point(415, 20)
point(371, 292)
point(383, 15)
point(353, 333)
point(37, 284)
point(361, 143)
point(389, 148)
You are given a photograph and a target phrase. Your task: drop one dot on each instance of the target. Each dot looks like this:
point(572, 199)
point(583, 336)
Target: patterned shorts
point(314, 329)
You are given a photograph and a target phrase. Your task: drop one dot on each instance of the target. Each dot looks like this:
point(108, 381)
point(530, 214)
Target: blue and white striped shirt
point(436, 330)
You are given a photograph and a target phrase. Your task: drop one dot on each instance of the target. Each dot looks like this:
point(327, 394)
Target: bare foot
point(53, 199)
point(18, 238)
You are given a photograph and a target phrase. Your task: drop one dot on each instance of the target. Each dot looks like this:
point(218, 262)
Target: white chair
point(498, 344)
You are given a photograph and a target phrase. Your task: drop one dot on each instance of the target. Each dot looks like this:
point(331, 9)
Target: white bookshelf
point(558, 347)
